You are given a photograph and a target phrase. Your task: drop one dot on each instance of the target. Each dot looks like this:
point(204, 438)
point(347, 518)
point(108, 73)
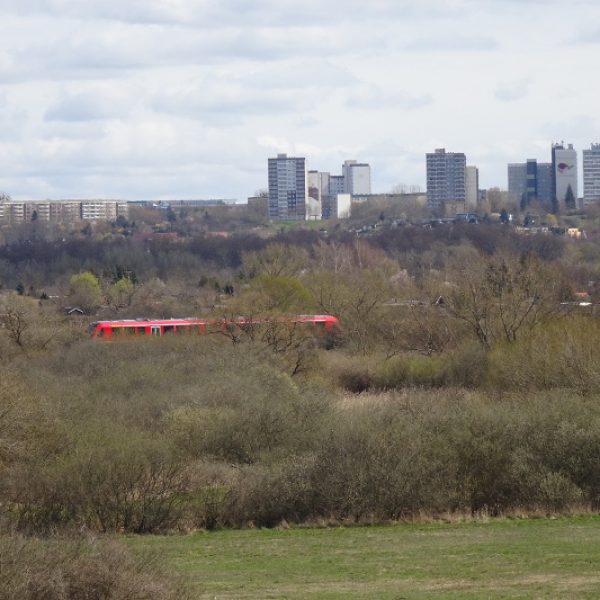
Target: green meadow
point(507, 558)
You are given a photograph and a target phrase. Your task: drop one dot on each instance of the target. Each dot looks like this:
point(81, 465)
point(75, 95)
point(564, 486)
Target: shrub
point(110, 480)
point(563, 353)
point(351, 373)
point(408, 370)
point(242, 416)
point(282, 492)
point(87, 569)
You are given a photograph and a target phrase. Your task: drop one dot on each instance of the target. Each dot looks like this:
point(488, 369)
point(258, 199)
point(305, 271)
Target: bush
point(352, 373)
point(109, 480)
point(563, 353)
point(283, 492)
point(416, 453)
point(87, 569)
point(409, 370)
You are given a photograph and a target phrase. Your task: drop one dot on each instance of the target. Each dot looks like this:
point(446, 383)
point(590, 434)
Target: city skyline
point(187, 98)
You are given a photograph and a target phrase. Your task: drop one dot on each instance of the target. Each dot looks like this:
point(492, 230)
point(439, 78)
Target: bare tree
point(500, 296)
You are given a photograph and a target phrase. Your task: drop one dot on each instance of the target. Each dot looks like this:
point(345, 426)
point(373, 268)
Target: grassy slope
point(545, 558)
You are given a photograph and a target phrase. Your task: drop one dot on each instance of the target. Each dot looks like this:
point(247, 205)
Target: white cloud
point(371, 97)
point(190, 97)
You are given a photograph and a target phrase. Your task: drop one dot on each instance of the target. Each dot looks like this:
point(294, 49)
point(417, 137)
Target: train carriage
point(132, 328)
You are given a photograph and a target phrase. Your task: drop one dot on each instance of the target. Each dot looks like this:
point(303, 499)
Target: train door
point(155, 329)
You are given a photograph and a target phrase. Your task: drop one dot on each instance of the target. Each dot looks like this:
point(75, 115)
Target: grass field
point(538, 558)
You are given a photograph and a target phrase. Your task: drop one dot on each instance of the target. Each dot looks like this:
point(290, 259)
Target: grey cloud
point(88, 106)
point(513, 91)
point(572, 128)
point(231, 102)
point(116, 49)
point(371, 97)
point(300, 75)
point(455, 43)
point(281, 88)
point(589, 36)
point(210, 13)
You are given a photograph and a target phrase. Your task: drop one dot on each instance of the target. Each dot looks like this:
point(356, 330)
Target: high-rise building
point(544, 182)
point(287, 188)
point(314, 199)
point(445, 178)
point(357, 177)
point(471, 188)
point(530, 181)
point(336, 185)
point(591, 174)
point(564, 173)
point(517, 181)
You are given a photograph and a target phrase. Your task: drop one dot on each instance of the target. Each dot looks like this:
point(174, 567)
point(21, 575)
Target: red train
point(108, 330)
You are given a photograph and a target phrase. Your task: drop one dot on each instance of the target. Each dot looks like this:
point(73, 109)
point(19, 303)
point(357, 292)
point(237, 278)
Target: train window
point(100, 333)
point(181, 330)
point(140, 330)
point(116, 331)
point(168, 329)
point(155, 330)
point(129, 330)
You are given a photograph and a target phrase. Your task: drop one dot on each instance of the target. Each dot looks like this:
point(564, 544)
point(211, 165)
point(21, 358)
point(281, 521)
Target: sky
point(139, 99)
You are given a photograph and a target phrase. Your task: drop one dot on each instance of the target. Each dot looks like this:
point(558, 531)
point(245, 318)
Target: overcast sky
point(188, 98)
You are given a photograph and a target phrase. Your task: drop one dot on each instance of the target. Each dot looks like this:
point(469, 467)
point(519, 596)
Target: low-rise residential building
point(62, 211)
point(337, 207)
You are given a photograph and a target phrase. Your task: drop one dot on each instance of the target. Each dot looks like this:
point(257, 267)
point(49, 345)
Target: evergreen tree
point(570, 199)
point(523, 203)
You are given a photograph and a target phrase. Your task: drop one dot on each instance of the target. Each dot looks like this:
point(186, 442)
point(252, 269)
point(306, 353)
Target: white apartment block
point(357, 177)
point(564, 174)
point(471, 188)
point(314, 198)
point(591, 174)
point(337, 206)
point(62, 211)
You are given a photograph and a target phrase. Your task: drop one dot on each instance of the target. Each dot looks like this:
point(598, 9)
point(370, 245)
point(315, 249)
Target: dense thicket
point(203, 432)
point(465, 380)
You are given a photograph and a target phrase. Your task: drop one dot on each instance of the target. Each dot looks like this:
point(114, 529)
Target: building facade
point(530, 181)
point(336, 185)
point(517, 181)
point(564, 173)
point(445, 178)
point(544, 182)
point(357, 177)
point(287, 188)
point(471, 188)
point(314, 196)
point(591, 174)
point(62, 211)
point(337, 207)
